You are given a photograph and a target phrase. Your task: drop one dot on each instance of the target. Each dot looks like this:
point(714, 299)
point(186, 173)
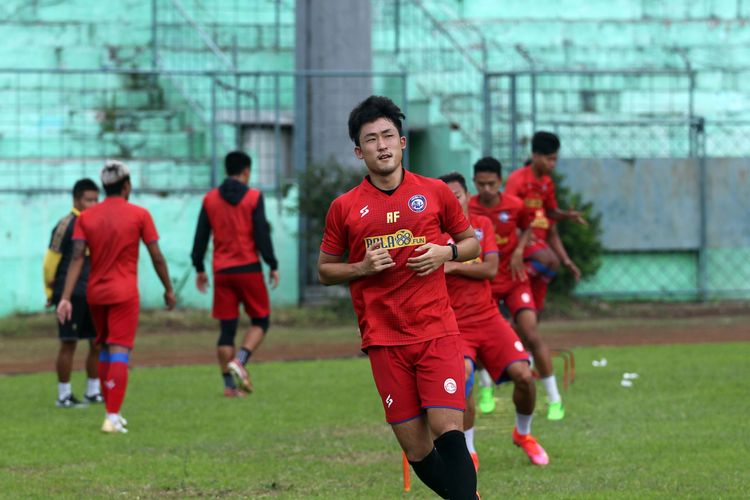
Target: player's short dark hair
point(545, 143)
point(117, 187)
point(454, 177)
point(371, 109)
point(82, 185)
point(235, 162)
point(488, 164)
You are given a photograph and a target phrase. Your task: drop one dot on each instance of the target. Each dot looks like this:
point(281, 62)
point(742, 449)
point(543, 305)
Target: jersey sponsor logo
point(417, 203)
point(364, 211)
point(503, 216)
point(533, 202)
point(389, 400)
point(399, 239)
point(518, 345)
point(450, 386)
point(501, 240)
point(479, 233)
point(540, 220)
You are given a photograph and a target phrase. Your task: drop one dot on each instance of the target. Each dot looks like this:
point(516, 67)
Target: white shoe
point(123, 421)
point(113, 428)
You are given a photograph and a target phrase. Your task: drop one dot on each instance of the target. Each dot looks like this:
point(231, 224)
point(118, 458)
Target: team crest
point(479, 234)
point(417, 203)
point(503, 216)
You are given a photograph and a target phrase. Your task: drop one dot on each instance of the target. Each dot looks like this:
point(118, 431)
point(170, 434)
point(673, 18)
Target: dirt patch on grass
point(187, 338)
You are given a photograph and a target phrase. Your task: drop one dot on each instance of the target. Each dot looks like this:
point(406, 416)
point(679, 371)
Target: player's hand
point(376, 260)
point(577, 216)
point(170, 300)
point(573, 269)
point(451, 267)
point(64, 311)
point(517, 268)
point(433, 257)
point(273, 279)
point(201, 282)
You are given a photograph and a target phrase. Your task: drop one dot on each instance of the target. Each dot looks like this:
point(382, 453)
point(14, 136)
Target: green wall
point(27, 221)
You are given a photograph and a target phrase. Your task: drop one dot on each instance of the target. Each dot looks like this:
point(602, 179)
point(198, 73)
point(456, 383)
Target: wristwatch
point(454, 251)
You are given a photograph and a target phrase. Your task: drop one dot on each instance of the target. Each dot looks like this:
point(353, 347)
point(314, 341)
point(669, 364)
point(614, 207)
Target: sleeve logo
point(479, 233)
point(417, 203)
point(401, 238)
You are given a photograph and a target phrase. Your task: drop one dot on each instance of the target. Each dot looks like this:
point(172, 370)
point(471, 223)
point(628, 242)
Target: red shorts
point(516, 295)
point(411, 378)
point(534, 247)
point(495, 343)
point(116, 323)
point(233, 289)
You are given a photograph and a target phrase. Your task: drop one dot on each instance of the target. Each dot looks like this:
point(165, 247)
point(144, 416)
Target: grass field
point(315, 429)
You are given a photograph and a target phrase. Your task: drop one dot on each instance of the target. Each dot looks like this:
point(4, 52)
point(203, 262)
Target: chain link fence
point(662, 177)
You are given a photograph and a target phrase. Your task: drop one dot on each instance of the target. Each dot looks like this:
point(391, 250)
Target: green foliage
point(319, 185)
point(583, 243)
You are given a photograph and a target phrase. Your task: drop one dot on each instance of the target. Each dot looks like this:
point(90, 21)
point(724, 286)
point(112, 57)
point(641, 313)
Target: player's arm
point(332, 270)
point(433, 256)
point(485, 270)
point(200, 244)
point(517, 268)
point(557, 246)
point(160, 266)
point(64, 307)
point(51, 262)
point(559, 215)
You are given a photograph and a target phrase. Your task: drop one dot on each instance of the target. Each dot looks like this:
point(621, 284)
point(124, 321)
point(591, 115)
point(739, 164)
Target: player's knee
point(263, 323)
point(228, 330)
point(522, 375)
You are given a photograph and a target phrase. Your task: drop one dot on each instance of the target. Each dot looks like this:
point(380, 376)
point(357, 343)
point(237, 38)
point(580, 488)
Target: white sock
point(523, 423)
point(550, 385)
point(113, 417)
point(63, 390)
point(469, 435)
point(92, 387)
point(484, 378)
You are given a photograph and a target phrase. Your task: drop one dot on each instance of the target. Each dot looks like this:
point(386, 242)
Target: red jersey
point(538, 195)
point(471, 299)
point(395, 306)
point(113, 230)
point(232, 226)
point(507, 216)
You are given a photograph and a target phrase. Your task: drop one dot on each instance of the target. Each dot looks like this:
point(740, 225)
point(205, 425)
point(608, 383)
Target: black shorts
point(80, 326)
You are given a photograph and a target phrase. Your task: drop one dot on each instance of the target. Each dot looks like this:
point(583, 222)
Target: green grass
point(315, 430)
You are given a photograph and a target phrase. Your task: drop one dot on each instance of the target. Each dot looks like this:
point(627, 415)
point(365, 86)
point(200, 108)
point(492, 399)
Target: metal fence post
point(214, 160)
point(277, 133)
point(154, 34)
point(300, 165)
point(397, 29)
point(702, 275)
point(486, 116)
point(405, 110)
point(513, 129)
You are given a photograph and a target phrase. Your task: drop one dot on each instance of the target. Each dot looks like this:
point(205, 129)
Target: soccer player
point(56, 262)
point(236, 215)
point(534, 185)
point(389, 224)
point(485, 334)
point(511, 285)
point(112, 231)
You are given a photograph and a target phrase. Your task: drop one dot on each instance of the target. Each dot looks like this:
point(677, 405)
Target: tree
point(583, 243)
